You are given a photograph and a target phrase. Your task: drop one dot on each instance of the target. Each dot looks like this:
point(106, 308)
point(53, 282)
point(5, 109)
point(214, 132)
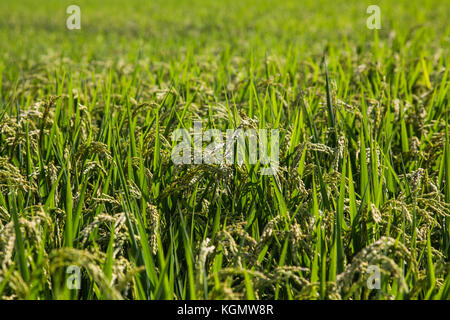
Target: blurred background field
point(166, 29)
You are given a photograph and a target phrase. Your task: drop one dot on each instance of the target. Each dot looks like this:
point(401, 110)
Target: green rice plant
point(88, 182)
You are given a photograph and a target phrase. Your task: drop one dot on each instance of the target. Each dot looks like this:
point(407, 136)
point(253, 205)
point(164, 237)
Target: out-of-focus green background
point(166, 29)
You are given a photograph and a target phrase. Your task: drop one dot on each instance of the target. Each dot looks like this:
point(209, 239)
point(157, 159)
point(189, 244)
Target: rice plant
point(88, 185)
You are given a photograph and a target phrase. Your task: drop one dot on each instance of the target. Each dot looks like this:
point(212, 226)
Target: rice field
point(92, 205)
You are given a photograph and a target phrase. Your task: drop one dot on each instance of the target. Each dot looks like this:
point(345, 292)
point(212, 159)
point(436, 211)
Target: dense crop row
point(87, 178)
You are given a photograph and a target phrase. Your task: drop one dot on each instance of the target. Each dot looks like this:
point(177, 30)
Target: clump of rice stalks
point(387, 254)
